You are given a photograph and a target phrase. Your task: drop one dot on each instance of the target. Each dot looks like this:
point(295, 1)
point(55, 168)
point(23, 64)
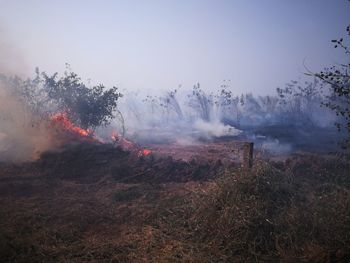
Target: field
point(98, 203)
point(174, 131)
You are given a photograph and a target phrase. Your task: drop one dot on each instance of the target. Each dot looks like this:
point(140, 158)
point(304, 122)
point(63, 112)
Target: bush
point(88, 107)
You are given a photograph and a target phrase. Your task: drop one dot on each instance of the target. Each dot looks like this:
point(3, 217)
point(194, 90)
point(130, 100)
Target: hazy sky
point(258, 44)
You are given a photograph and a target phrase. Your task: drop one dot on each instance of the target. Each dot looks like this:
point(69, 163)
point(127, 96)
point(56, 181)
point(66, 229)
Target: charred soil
point(91, 202)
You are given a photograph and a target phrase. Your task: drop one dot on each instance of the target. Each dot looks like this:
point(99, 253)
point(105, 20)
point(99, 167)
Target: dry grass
point(298, 214)
point(292, 211)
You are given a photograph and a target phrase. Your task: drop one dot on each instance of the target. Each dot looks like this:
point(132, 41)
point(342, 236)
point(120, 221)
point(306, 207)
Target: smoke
point(177, 116)
point(23, 136)
point(12, 60)
point(275, 147)
point(215, 129)
point(290, 119)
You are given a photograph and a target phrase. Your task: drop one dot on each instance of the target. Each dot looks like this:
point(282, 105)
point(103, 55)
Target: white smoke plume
point(23, 136)
point(215, 129)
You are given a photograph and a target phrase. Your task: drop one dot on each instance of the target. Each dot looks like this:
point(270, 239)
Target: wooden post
point(248, 149)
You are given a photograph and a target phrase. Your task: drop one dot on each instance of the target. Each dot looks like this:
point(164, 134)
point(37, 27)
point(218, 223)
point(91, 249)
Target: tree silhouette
point(337, 79)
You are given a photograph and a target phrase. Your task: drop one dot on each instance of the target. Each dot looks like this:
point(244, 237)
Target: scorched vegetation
point(167, 182)
point(98, 203)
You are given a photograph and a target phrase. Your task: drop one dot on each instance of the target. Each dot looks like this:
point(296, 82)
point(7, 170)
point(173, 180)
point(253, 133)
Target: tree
point(299, 101)
point(87, 107)
point(28, 91)
point(201, 102)
point(229, 104)
point(337, 79)
point(170, 102)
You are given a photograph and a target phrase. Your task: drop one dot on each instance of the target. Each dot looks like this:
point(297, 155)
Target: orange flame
point(129, 145)
point(62, 120)
point(144, 152)
point(115, 136)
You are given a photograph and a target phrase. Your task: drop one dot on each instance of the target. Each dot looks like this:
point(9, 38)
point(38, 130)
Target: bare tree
point(337, 78)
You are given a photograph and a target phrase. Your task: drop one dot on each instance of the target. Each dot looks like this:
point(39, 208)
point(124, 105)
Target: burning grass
point(63, 121)
point(97, 203)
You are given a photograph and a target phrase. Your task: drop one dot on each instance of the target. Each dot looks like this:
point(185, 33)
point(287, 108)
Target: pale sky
point(257, 44)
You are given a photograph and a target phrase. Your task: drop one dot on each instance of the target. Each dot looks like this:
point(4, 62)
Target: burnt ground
point(97, 203)
point(79, 203)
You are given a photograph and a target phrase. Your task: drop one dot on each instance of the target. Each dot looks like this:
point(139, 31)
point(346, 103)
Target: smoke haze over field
point(12, 60)
point(23, 136)
point(158, 45)
point(156, 52)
